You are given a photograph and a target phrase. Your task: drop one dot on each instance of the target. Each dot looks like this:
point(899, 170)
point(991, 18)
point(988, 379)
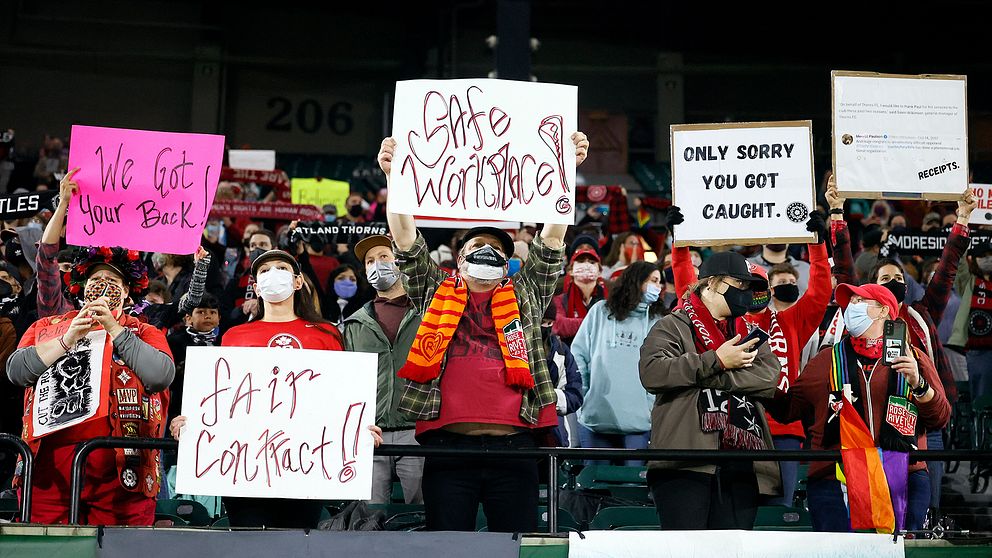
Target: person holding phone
point(787, 317)
point(707, 385)
point(853, 373)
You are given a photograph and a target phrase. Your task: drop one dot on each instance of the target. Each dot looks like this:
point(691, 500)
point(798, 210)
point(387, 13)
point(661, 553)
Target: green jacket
point(362, 333)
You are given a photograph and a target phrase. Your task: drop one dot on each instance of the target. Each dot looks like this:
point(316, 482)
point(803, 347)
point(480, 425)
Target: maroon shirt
point(389, 313)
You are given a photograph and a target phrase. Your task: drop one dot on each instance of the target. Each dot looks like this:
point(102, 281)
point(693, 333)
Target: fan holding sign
point(480, 336)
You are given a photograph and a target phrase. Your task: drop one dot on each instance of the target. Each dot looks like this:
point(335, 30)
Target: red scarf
point(575, 305)
point(734, 416)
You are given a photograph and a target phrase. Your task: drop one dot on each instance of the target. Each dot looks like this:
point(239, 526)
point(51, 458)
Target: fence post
point(27, 461)
point(552, 493)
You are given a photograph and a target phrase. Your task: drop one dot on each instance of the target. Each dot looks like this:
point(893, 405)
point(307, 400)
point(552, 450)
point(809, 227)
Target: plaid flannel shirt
point(51, 301)
point(534, 287)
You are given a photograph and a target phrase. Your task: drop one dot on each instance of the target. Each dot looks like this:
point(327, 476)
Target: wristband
point(922, 389)
point(62, 342)
point(837, 211)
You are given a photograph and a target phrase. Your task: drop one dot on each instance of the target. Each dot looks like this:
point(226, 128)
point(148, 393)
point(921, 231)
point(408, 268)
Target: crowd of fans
point(601, 338)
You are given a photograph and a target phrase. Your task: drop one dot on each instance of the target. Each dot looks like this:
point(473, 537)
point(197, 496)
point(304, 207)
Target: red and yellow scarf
point(441, 321)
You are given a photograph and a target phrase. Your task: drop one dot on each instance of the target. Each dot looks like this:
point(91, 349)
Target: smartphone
point(755, 333)
point(894, 341)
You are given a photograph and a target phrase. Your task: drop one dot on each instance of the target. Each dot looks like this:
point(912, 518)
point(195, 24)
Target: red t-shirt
point(297, 334)
point(473, 385)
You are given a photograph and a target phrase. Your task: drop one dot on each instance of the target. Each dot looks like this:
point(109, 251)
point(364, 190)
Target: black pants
point(689, 500)
point(454, 486)
point(274, 513)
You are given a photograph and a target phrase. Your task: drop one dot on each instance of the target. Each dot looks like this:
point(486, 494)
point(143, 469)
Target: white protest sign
point(277, 423)
point(898, 136)
point(73, 388)
point(732, 544)
point(484, 149)
point(252, 159)
point(982, 215)
point(743, 183)
point(439, 223)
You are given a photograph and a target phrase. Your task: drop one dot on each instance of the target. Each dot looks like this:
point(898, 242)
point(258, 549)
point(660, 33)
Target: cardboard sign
point(336, 233)
point(743, 183)
point(320, 192)
point(900, 136)
point(252, 159)
point(277, 423)
point(484, 149)
point(441, 223)
point(73, 389)
point(143, 190)
point(982, 215)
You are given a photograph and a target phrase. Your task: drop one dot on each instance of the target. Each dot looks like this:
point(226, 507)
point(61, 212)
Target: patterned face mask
point(104, 287)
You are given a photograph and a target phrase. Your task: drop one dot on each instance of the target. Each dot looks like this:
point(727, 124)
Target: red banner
point(277, 179)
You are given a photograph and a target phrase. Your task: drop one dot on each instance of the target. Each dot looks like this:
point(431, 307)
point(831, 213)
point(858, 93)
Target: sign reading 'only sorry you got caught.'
point(743, 183)
point(484, 149)
point(143, 190)
point(277, 422)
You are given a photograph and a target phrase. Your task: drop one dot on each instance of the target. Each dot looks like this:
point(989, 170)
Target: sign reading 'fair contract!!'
point(484, 149)
point(143, 190)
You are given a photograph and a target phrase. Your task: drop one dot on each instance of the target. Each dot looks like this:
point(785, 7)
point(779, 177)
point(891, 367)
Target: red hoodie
point(797, 323)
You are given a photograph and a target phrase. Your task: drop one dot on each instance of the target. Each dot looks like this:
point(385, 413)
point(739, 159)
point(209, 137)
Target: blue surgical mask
point(652, 293)
point(856, 318)
point(345, 288)
point(514, 266)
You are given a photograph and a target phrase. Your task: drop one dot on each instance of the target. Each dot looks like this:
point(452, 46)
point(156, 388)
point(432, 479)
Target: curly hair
point(626, 293)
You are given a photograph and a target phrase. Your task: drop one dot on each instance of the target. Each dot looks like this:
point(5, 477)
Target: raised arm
point(403, 228)
point(939, 289)
point(840, 236)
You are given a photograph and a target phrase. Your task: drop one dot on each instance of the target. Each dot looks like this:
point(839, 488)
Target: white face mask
point(485, 264)
point(275, 285)
point(585, 272)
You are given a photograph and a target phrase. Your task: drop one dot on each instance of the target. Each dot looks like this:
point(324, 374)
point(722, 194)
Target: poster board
point(75, 387)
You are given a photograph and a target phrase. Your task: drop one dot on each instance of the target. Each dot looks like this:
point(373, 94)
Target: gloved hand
point(817, 223)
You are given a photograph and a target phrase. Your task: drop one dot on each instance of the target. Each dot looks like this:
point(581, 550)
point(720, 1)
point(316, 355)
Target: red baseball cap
point(759, 277)
point(871, 291)
point(586, 252)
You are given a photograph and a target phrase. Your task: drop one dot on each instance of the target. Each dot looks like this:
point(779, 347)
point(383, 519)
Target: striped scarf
point(441, 321)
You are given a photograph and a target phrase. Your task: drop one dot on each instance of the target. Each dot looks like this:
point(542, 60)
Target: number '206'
point(309, 116)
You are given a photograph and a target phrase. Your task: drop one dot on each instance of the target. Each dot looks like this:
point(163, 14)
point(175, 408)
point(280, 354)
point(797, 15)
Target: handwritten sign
point(900, 136)
point(484, 149)
point(451, 223)
point(320, 192)
point(72, 390)
point(982, 215)
point(744, 183)
point(277, 423)
point(252, 159)
point(143, 190)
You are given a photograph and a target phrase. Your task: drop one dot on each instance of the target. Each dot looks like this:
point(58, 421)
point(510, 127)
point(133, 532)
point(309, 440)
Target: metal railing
point(553, 455)
point(27, 461)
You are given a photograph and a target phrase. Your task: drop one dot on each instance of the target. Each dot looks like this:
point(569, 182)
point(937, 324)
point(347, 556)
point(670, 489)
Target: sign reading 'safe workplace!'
point(743, 183)
point(143, 190)
point(484, 149)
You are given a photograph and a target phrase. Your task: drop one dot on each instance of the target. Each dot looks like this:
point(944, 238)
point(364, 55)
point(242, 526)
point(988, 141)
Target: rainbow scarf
point(441, 321)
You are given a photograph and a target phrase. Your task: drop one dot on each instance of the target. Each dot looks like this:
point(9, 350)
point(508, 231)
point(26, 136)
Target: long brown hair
point(613, 256)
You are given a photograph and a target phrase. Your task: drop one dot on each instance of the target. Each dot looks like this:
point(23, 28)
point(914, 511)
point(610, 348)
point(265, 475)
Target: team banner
point(20, 206)
point(915, 242)
point(484, 149)
point(743, 183)
point(900, 136)
point(340, 233)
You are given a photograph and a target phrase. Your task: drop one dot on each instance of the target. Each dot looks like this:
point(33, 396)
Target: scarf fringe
point(417, 373)
point(713, 422)
point(516, 377)
point(739, 438)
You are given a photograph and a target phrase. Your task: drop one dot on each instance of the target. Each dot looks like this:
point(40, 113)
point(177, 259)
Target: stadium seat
point(221, 523)
point(192, 512)
point(169, 520)
point(402, 517)
point(565, 520)
point(782, 518)
point(625, 483)
point(625, 516)
point(8, 508)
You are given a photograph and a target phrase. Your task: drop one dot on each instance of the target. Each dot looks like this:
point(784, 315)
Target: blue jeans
point(935, 441)
point(590, 439)
point(980, 372)
point(789, 470)
point(829, 513)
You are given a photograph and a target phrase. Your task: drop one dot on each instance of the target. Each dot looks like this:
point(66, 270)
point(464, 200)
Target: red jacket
point(798, 322)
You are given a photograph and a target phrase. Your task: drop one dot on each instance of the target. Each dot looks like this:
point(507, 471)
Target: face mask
point(738, 300)
point(984, 264)
point(669, 276)
point(513, 267)
point(382, 275)
point(759, 301)
point(330, 217)
point(856, 318)
point(254, 254)
point(546, 332)
point(776, 247)
point(651, 293)
point(786, 292)
point(275, 285)
point(106, 288)
point(355, 211)
point(486, 264)
point(585, 272)
point(345, 288)
point(897, 289)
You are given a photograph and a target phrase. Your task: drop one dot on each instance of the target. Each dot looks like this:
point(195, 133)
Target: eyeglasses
point(859, 299)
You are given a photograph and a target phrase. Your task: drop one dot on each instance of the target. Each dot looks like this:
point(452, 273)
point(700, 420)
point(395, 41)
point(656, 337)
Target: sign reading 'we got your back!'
point(142, 190)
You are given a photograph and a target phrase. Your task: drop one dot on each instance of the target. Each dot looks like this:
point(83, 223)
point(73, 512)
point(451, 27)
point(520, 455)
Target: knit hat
point(124, 262)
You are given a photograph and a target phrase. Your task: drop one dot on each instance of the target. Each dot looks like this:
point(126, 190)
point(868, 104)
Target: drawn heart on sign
point(430, 344)
point(433, 143)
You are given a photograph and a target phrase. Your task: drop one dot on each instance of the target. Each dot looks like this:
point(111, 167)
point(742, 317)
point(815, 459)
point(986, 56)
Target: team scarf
point(202, 339)
point(900, 426)
point(441, 321)
point(575, 306)
point(777, 342)
point(734, 416)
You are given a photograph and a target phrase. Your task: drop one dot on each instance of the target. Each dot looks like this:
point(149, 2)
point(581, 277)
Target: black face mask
point(738, 300)
point(545, 332)
point(897, 289)
point(355, 211)
point(777, 247)
point(254, 254)
point(669, 276)
point(487, 255)
point(786, 292)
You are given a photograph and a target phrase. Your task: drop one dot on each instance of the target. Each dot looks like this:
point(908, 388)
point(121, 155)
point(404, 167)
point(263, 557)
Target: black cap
point(584, 239)
point(731, 264)
point(504, 239)
point(274, 255)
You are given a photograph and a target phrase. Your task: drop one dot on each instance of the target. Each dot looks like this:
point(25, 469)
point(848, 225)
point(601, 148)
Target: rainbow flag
point(643, 217)
point(877, 480)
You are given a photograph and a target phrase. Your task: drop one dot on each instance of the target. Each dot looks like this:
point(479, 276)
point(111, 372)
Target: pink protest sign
point(140, 189)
